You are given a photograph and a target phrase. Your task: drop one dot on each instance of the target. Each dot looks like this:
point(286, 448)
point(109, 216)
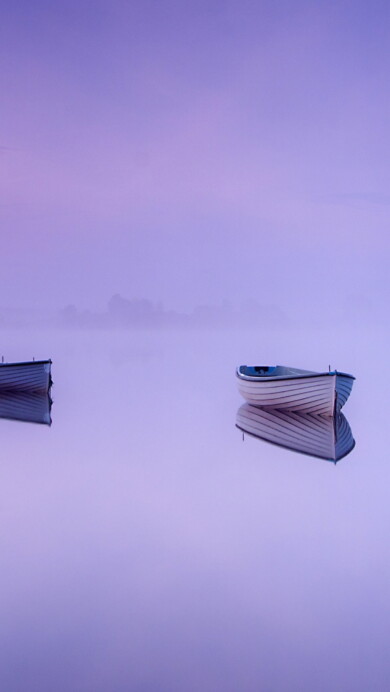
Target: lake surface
point(146, 546)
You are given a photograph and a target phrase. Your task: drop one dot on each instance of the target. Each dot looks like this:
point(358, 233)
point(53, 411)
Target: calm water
point(146, 547)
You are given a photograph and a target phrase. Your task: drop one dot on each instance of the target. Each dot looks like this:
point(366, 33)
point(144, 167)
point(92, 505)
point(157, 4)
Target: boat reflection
point(26, 406)
point(318, 436)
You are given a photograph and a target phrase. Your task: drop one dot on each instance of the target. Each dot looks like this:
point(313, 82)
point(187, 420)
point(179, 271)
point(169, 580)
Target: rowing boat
point(28, 376)
point(283, 388)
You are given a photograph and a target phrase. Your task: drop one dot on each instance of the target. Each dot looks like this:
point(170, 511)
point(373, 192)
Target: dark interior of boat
point(259, 370)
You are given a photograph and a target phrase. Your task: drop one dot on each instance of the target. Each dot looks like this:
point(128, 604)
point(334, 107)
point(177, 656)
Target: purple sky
point(192, 152)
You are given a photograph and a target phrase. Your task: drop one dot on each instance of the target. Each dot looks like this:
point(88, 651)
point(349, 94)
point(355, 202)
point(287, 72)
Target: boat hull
point(33, 376)
point(317, 436)
point(320, 394)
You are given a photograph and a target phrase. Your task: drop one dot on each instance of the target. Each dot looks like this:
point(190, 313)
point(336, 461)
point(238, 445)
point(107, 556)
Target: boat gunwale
point(279, 378)
point(27, 362)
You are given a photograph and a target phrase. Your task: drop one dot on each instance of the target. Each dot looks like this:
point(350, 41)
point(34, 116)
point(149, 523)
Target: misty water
point(146, 546)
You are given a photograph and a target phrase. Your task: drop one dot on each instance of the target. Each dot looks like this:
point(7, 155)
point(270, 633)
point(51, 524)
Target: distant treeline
point(124, 312)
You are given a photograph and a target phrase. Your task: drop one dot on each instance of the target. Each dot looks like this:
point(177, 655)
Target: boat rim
point(304, 376)
point(27, 362)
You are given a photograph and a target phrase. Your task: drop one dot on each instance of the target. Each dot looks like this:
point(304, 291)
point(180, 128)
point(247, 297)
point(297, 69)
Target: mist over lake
point(147, 546)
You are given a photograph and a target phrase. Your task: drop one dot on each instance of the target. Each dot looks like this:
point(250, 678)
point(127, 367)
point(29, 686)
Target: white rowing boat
point(318, 436)
point(29, 376)
point(28, 407)
point(290, 389)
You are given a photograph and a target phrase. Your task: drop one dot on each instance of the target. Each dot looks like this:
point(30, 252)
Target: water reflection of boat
point(318, 436)
point(29, 376)
point(26, 406)
point(290, 389)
